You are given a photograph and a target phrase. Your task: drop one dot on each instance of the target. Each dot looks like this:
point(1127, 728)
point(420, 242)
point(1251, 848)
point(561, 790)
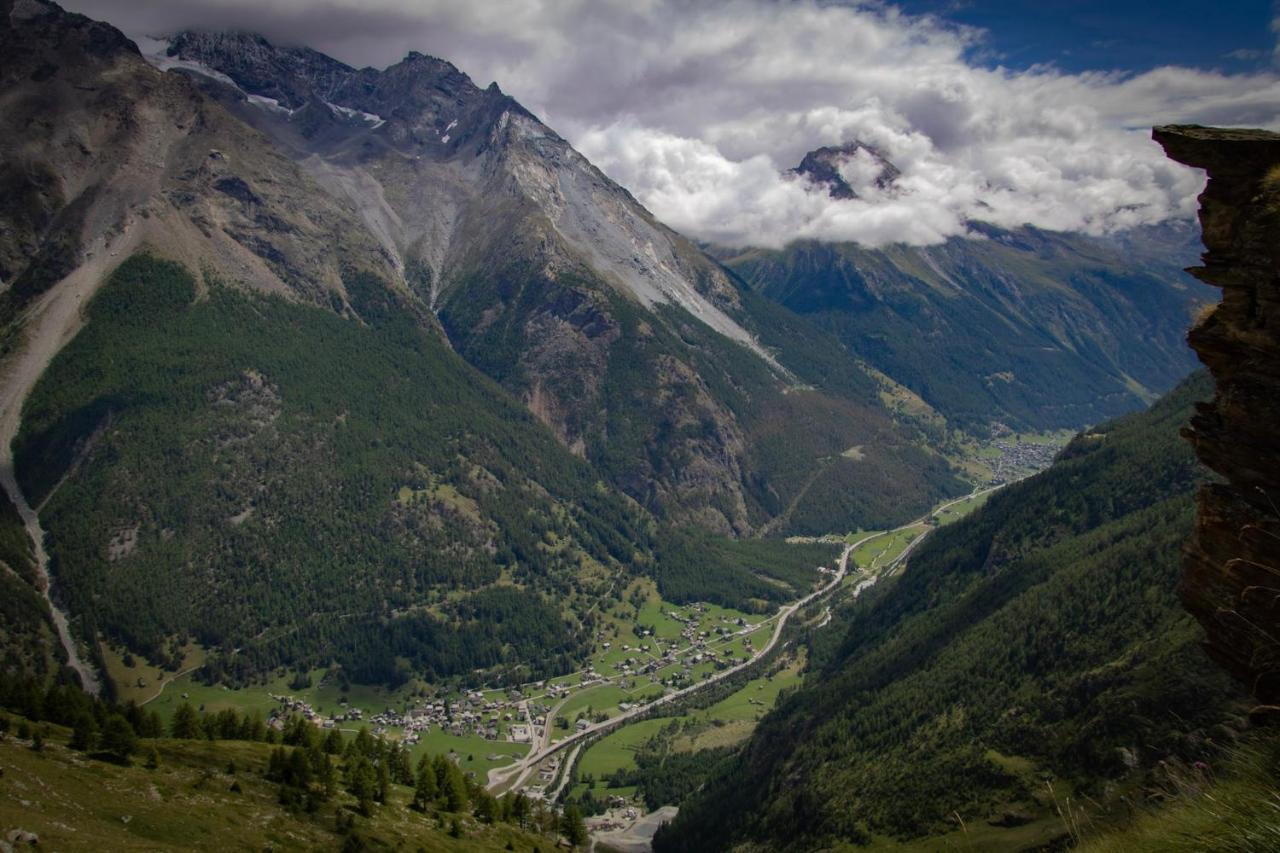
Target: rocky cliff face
point(99, 154)
point(1232, 564)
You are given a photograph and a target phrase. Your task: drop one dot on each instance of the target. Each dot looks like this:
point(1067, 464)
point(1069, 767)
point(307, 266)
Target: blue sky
point(1126, 35)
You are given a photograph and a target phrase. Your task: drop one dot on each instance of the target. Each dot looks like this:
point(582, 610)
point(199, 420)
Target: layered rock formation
point(1232, 569)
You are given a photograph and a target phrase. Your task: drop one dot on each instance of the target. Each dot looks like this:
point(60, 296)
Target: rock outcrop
point(1232, 564)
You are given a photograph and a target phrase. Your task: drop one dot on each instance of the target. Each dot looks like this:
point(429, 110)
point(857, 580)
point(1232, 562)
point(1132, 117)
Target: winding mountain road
point(514, 775)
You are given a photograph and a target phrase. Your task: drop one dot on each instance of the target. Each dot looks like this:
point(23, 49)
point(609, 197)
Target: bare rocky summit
point(838, 168)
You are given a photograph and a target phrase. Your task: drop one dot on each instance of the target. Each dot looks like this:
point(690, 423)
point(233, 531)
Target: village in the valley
point(709, 639)
point(1017, 459)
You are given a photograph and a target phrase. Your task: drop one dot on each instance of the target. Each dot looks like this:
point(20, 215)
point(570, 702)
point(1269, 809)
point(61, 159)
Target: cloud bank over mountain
point(699, 108)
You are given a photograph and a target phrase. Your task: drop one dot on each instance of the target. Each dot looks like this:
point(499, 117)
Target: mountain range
point(387, 325)
point(367, 375)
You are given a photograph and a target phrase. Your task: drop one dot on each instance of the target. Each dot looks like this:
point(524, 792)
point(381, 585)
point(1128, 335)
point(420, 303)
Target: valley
point(959, 668)
point(378, 470)
point(539, 737)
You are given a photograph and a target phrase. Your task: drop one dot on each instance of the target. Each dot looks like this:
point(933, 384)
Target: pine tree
point(486, 806)
point(333, 742)
point(399, 765)
point(118, 738)
point(84, 734)
point(455, 788)
point(153, 725)
point(363, 784)
point(425, 789)
point(520, 809)
point(384, 781)
point(186, 723)
point(322, 771)
point(363, 743)
point(572, 826)
point(276, 765)
point(298, 731)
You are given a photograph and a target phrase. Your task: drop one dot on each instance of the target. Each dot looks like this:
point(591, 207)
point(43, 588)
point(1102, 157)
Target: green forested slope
point(270, 477)
point(692, 425)
point(291, 487)
point(1041, 632)
point(1036, 329)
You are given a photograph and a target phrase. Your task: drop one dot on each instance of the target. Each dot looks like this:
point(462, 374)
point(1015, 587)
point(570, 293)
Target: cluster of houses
point(471, 714)
point(288, 706)
point(474, 714)
point(653, 653)
point(1017, 459)
point(518, 719)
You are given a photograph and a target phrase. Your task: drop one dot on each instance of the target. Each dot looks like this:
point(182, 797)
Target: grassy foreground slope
point(1230, 806)
point(213, 795)
point(1039, 640)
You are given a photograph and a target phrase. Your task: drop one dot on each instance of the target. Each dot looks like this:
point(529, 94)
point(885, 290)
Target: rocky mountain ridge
point(1028, 328)
point(426, 108)
point(538, 266)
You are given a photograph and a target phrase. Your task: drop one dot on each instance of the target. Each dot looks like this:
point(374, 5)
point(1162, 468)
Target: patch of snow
point(369, 118)
point(154, 51)
point(269, 104)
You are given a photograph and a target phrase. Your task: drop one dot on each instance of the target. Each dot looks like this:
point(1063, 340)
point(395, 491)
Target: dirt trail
point(51, 323)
